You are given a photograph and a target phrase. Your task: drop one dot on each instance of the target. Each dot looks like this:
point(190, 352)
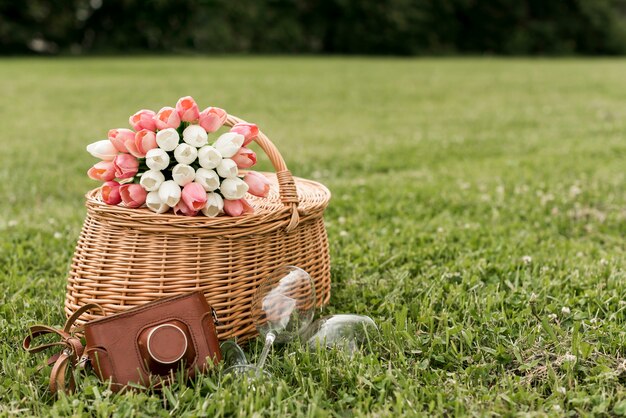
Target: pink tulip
point(144, 119)
point(237, 207)
point(187, 109)
point(167, 117)
point(126, 166)
point(258, 184)
point(248, 130)
point(118, 138)
point(245, 158)
point(194, 196)
point(111, 193)
point(181, 208)
point(212, 118)
point(132, 149)
point(247, 208)
point(233, 207)
point(143, 142)
point(133, 195)
point(102, 171)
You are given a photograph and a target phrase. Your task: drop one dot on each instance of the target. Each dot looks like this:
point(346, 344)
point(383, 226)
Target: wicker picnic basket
point(127, 257)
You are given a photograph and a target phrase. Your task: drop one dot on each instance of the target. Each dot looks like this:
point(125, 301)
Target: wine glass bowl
point(347, 332)
point(284, 304)
point(232, 354)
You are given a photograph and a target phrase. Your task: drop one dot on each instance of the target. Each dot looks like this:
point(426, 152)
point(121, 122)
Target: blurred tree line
point(400, 27)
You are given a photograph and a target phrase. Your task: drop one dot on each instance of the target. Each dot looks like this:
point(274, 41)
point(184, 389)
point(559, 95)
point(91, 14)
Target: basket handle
point(286, 184)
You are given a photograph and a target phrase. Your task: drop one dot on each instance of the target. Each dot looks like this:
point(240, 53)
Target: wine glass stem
point(269, 340)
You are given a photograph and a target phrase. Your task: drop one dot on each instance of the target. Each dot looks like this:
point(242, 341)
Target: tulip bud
point(126, 166)
point(183, 174)
point(227, 168)
point(102, 171)
point(145, 140)
point(194, 196)
point(169, 193)
point(207, 179)
point(118, 138)
point(195, 135)
point(248, 130)
point(181, 208)
point(151, 180)
point(233, 188)
point(132, 150)
point(185, 154)
point(229, 143)
point(143, 119)
point(167, 139)
point(212, 118)
point(157, 159)
point(154, 203)
point(247, 208)
point(258, 184)
point(187, 109)
point(166, 118)
point(103, 150)
point(214, 205)
point(133, 195)
point(209, 157)
point(110, 192)
point(233, 207)
point(237, 207)
point(245, 158)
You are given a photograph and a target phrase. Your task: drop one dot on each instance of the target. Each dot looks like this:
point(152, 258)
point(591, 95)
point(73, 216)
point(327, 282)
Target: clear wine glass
point(347, 332)
point(232, 354)
point(282, 308)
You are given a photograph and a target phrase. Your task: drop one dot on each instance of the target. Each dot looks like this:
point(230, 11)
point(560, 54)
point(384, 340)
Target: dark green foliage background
point(400, 27)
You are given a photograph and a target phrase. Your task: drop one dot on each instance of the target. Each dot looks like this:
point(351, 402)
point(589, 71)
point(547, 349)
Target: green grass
point(478, 215)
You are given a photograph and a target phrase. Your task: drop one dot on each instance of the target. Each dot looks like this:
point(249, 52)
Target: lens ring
point(176, 358)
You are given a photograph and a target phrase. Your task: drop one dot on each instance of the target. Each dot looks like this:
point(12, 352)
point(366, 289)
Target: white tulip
point(183, 174)
point(229, 143)
point(214, 205)
point(155, 204)
point(167, 139)
point(157, 159)
point(103, 149)
point(207, 179)
point(195, 135)
point(209, 157)
point(169, 193)
point(185, 154)
point(233, 189)
point(227, 168)
point(151, 180)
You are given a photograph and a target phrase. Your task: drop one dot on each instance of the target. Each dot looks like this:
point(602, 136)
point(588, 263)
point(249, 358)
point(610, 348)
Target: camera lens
point(167, 343)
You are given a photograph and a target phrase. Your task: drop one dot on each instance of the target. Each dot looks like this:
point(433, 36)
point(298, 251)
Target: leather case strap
point(72, 348)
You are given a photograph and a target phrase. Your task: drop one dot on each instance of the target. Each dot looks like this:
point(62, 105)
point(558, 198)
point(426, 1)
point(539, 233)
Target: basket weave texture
point(127, 257)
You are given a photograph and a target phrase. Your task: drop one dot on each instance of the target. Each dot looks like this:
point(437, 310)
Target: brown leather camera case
point(149, 344)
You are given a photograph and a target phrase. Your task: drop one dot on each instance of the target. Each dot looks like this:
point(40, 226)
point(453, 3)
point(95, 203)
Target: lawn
point(478, 215)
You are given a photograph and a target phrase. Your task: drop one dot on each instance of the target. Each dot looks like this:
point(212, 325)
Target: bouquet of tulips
point(168, 161)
